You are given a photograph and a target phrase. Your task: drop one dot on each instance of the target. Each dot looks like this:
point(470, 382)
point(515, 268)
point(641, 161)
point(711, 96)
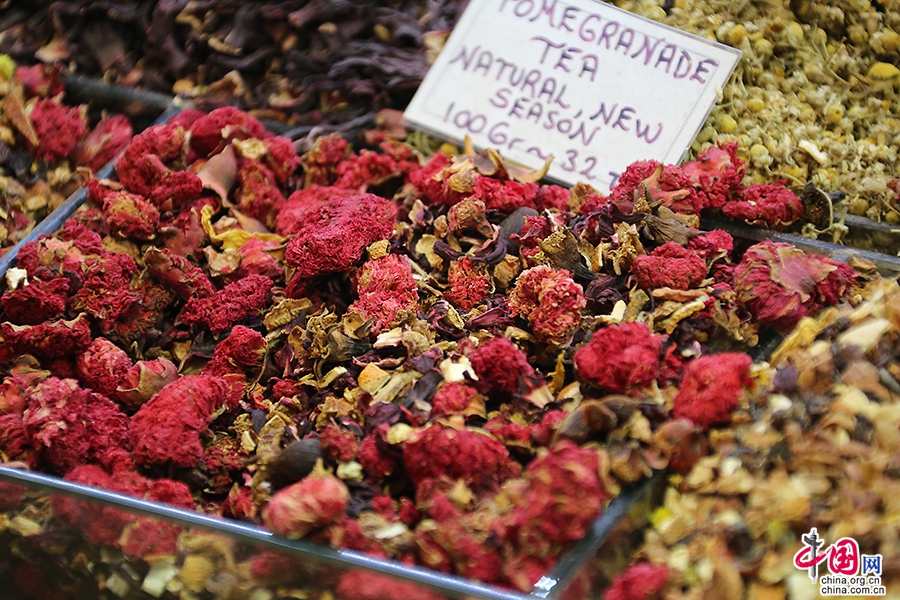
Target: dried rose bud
point(127, 214)
point(152, 164)
point(229, 305)
point(314, 502)
point(334, 238)
point(387, 292)
point(470, 283)
point(365, 169)
point(178, 273)
point(711, 388)
point(712, 245)
point(663, 183)
point(36, 302)
point(717, 174)
point(551, 301)
point(772, 206)
point(59, 129)
point(167, 428)
point(211, 133)
point(103, 366)
point(670, 265)
point(621, 358)
point(504, 196)
point(144, 379)
point(780, 284)
point(111, 134)
point(281, 157)
point(500, 365)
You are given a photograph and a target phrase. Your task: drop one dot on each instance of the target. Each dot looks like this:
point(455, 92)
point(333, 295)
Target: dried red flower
point(59, 128)
point(281, 157)
point(387, 292)
point(40, 80)
point(257, 192)
point(257, 259)
point(620, 358)
point(365, 169)
point(717, 174)
point(534, 230)
point(767, 205)
point(500, 365)
point(36, 302)
point(712, 245)
point(642, 581)
point(780, 284)
point(377, 463)
point(303, 205)
point(430, 183)
point(551, 197)
point(452, 398)
point(152, 164)
point(229, 305)
point(48, 340)
point(665, 183)
point(178, 274)
point(670, 265)
point(238, 359)
point(108, 137)
point(144, 379)
point(321, 162)
point(311, 503)
point(70, 426)
point(166, 429)
point(126, 214)
point(211, 133)
point(551, 301)
point(711, 388)
point(504, 195)
point(470, 283)
point(338, 444)
point(476, 458)
point(103, 366)
point(335, 236)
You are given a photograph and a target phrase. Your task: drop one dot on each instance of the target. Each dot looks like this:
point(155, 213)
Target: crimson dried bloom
point(303, 205)
point(711, 388)
point(666, 183)
point(534, 230)
point(544, 515)
point(70, 426)
point(712, 245)
point(152, 164)
point(167, 428)
point(500, 365)
point(257, 192)
point(551, 301)
point(126, 214)
point(470, 283)
point(106, 291)
point(387, 292)
point(144, 379)
point(367, 168)
point(59, 128)
point(334, 238)
point(49, 340)
point(15, 444)
point(36, 302)
point(432, 184)
point(377, 463)
point(237, 357)
point(311, 503)
point(468, 215)
point(321, 162)
point(338, 444)
point(642, 581)
point(670, 265)
point(64, 251)
point(452, 397)
point(504, 195)
point(780, 284)
point(767, 205)
point(183, 234)
point(103, 366)
point(620, 358)
point(476, 458)
point(211, 133)
point(229, 305)
point(178, 274)
point(108, 137)
point(717, 174)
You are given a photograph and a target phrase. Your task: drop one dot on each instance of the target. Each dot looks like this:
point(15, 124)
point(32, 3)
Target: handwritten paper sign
point(594, 86)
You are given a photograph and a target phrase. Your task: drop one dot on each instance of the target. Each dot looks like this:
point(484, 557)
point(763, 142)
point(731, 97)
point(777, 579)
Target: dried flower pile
point(47, 149)
point(436, 361)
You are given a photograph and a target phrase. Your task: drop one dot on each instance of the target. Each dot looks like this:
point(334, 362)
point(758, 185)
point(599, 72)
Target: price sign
point(593, 86)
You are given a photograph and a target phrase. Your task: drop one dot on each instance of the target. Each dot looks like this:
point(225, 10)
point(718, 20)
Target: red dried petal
point(59, 129)
point(257, 191)
point(500, 365)
point(152, 166)
point(551, 301)
point(469, 284)
point(313, 502)
point(772, 206)
point(109, 137)
point(711, 388)
point(229, 305)
point(717, 174)
point(103, 366)
point(211, 133)
point(670, 265)
point(642, 581)
point(36, 302)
